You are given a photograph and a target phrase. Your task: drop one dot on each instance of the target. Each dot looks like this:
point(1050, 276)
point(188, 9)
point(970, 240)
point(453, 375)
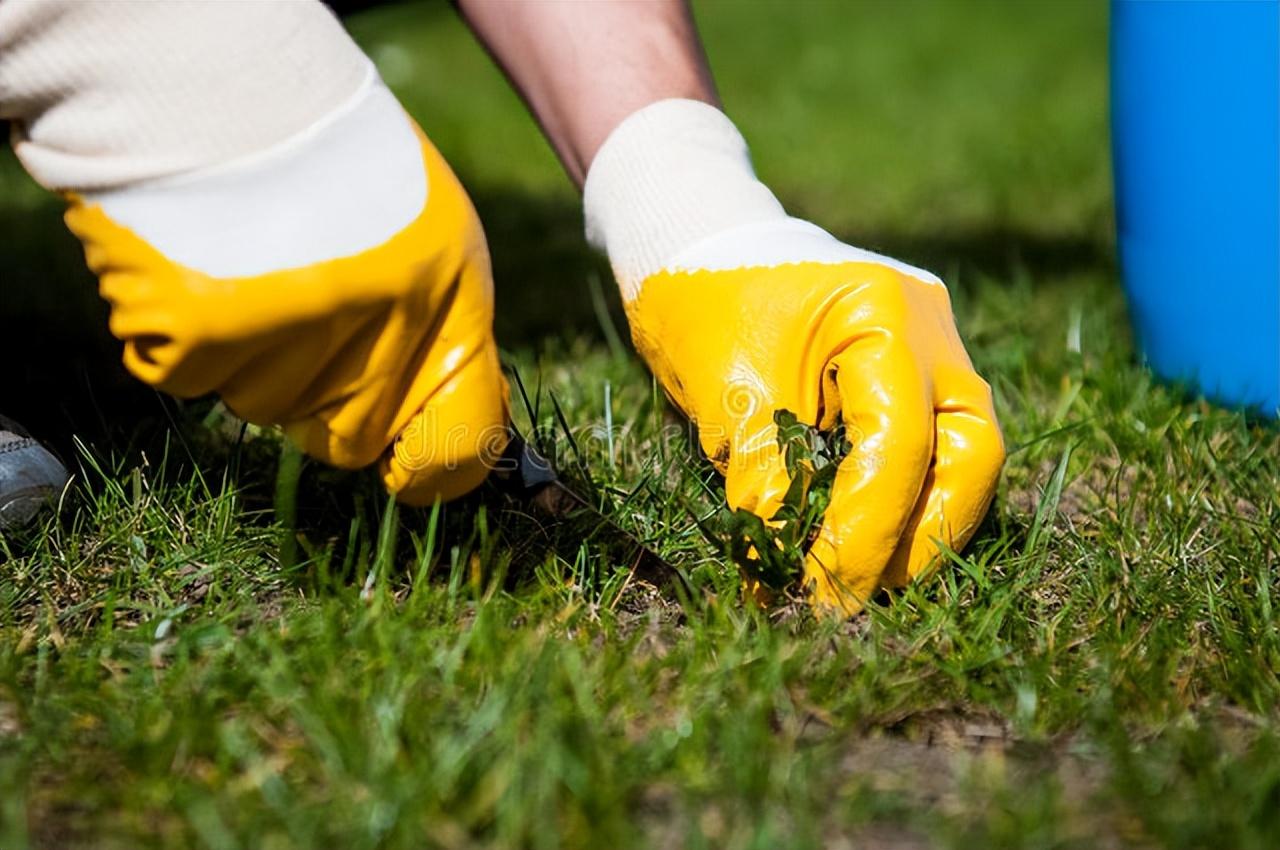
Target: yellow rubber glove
point(741, 311)
point(385, 355)
point(859, 342)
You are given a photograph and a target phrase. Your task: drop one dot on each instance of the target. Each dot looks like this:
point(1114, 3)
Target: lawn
point(1098, 669)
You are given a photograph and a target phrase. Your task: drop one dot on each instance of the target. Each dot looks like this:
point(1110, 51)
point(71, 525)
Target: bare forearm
point(584, 65)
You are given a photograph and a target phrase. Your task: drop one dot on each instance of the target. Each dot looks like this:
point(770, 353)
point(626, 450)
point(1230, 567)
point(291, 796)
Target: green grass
point(1098, 669)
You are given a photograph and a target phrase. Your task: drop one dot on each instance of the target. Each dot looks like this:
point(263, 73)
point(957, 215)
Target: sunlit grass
point(183, 666)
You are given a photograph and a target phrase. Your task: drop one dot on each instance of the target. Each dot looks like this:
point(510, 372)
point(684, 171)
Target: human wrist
point(670, 175)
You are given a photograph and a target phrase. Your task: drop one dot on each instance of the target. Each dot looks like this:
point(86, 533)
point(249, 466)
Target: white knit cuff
point(670, 175)
point(342, 186)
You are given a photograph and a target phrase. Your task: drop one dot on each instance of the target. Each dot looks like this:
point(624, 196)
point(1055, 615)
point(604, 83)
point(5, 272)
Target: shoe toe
point(29, 478)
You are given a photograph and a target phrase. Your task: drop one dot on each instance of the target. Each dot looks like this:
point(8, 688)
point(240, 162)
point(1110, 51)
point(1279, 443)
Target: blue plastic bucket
point(1195, 114)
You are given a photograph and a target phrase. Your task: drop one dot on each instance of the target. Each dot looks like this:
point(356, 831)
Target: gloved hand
point(740, 311)
point(373, 350)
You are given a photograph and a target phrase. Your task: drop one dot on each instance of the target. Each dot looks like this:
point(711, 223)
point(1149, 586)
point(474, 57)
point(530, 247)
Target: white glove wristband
point(670, 175)
point(672, 189)
point(238, 139)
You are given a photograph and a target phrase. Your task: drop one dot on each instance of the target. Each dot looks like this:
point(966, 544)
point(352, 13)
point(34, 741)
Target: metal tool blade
point(527, 477)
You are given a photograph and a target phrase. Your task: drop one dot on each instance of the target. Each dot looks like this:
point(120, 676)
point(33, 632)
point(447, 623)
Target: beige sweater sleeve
point(105, 95)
